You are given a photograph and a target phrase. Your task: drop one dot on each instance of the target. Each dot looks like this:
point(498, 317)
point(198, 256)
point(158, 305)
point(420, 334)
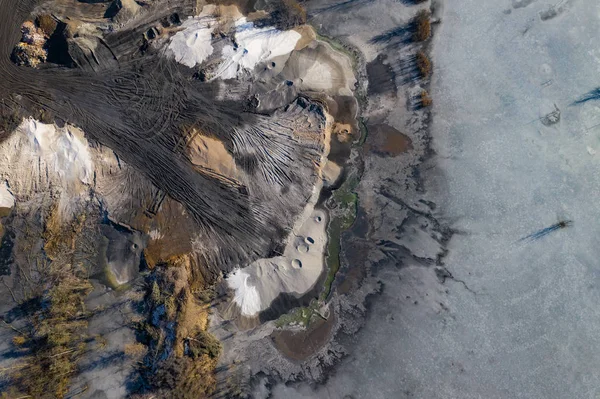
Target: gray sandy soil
point(520, 318)
point(465, 309)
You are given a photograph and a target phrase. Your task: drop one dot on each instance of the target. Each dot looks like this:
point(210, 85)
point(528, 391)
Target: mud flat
point(299, 345)
point(388, 141)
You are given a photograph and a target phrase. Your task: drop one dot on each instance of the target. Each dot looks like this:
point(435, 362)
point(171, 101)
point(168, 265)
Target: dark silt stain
point(360, 228)
point(7, 243)
point(343, 108)
point(354, 254)
point(387, 141)
point(352, 272)
point(299, 345)
point(382, 78)
point(549, 14)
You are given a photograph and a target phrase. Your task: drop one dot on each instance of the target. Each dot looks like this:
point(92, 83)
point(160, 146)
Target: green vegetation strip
point(300, 316)
point(339, 46)
point(363, 132)
point(342, 219)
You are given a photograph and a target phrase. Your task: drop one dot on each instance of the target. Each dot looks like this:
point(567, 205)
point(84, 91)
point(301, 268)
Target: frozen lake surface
point(515, 155)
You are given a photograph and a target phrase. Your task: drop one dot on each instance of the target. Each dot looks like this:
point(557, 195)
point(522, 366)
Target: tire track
point(139, 109)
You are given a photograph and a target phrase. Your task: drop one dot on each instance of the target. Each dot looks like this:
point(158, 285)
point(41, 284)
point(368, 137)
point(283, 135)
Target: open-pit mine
point(299, 199)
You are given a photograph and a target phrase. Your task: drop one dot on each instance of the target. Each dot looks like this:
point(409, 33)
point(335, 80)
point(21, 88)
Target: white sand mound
point(6, 198)
point(296, 272)
point(192, 45)
point(255, 45)
point(48, 163)
point(246, 296)
point(39, 158)
point(66, 151)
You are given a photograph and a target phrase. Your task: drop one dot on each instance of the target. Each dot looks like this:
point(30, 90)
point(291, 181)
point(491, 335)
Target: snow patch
point(6, 198)
point(246, 296)
point(192, 45)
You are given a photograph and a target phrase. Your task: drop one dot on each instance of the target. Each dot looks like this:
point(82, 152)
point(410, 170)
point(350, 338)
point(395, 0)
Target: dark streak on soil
point(354, 252)
point(382, 78)
point(6, 249)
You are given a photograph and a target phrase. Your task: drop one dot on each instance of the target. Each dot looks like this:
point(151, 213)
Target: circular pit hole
point(309, 240)
point(296, 263)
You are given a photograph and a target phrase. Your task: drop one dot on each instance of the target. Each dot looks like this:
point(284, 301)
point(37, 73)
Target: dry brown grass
point(135, 350)
point(187, 378)
point(288, 14)
point(424, 64)
point(57, 332)
point(46, 23)
point(13, 393)
point(422, 26)
point(188, 371)
point(191, 321)
point(426, 100)
point(175, 275)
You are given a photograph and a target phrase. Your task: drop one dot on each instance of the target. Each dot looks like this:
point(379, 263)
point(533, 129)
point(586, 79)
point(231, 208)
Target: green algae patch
point(299, 316)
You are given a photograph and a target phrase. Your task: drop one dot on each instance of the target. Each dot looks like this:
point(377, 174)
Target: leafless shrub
point(135, 350)
point(426, 100)
point(424, 64)
point(46, 23)
point(9, 121)
point(186, 378)
point(422, 26)
point(287, 14)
